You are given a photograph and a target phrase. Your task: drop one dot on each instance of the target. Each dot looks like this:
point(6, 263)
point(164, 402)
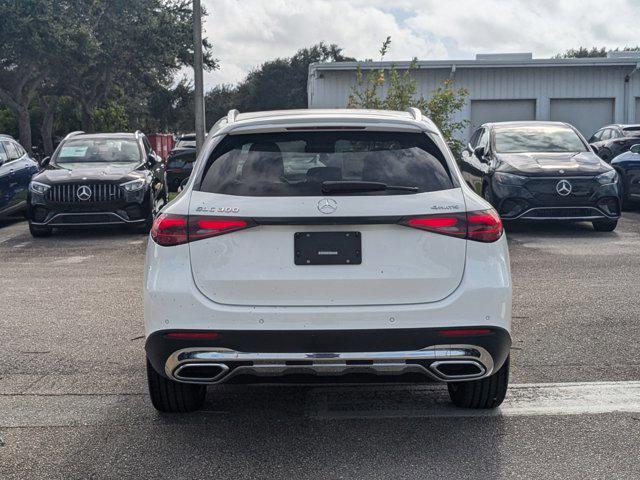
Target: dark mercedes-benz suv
point(541, 171)
point(97, 179)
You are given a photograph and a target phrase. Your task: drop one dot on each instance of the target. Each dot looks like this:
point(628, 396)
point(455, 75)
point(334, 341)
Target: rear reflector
point(169, 230)
point(192, 335)
point(481, 226)
point(458, 332)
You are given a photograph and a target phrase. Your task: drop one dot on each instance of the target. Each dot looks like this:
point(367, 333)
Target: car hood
point(544, 164)
point(101, 172)
point(626, 157)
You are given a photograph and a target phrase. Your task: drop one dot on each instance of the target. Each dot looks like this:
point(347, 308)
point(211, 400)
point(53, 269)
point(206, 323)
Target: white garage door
point(483, 111)
point(586, 114)
point(637, 109)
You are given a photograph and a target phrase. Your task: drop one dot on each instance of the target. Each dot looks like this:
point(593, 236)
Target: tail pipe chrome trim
point(440, 362)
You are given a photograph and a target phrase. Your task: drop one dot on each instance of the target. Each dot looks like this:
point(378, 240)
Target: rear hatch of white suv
point(320, 218)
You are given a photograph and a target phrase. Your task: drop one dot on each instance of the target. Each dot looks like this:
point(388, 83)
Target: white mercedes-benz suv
point(333, 245)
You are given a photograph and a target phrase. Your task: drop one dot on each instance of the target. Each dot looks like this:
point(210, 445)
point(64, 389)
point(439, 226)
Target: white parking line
point(522, 400)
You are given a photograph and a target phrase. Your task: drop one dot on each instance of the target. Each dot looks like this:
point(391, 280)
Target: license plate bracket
point(327, 248)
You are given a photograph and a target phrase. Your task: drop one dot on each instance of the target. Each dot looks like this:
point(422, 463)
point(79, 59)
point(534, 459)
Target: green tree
point(401, 93)
point(593, 52)
point(30, 36)
point(129, 45)
point(282, 83)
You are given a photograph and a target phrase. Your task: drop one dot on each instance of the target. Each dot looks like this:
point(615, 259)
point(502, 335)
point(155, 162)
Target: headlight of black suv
point(39, 188)
point(607, 177)
point(504, 178)
point(134, 185)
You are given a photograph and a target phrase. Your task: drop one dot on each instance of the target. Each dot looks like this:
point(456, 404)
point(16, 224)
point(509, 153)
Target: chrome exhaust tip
point(200, 372)
point(458, 369)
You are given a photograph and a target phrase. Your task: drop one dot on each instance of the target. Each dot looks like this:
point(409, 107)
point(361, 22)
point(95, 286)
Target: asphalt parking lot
point(73, 400)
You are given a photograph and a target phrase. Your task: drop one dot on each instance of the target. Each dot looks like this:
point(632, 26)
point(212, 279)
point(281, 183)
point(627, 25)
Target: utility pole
point(197, 75)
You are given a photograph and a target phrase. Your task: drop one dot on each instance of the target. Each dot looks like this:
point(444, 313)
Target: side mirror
point(151, 160)
point(635, 148)
point(594, 148)
point(479, 153)
point(45, 162)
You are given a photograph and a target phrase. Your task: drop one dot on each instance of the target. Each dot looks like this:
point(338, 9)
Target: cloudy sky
point(245, 33)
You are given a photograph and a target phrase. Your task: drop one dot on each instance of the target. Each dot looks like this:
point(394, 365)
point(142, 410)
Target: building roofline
point(509, 63)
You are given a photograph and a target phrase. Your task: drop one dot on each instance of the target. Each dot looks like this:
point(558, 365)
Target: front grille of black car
point(71, 219)
point(100, 193)
point(547, 186)
point(562, 213)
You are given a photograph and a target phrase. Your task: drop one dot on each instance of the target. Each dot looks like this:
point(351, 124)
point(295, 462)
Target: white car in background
point(329, 243)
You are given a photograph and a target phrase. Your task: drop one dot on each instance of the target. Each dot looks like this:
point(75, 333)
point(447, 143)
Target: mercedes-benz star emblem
point(327, 205)
point(84, 193)
point(563, 187)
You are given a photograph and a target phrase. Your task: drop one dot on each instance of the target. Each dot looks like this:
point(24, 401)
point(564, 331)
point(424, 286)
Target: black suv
point(612, 140)
point(97, 179)
point(180, 161)
point(541, 171)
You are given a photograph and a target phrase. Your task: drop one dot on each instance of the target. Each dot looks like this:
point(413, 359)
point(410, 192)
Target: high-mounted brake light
point(481, 226)
point(169, 230)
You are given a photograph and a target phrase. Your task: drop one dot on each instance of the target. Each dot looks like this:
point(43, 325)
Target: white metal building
point(586, 92)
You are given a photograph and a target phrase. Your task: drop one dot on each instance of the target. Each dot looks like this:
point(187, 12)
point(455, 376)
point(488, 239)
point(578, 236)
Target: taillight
point(484, 226)
point(481, 226)
point(169, 230)
point(205, 227)
point(454, 224)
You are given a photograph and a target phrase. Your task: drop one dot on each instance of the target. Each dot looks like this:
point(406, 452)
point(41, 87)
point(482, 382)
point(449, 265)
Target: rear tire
point(604, 225)
point(169, 396)
point(481, 394)
point(39, 232)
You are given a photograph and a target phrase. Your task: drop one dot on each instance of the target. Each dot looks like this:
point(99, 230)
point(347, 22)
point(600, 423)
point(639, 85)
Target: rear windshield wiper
point(359, 186)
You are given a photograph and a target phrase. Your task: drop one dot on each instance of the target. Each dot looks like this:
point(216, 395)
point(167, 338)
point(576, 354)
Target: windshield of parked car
point(305, 163)
point(538, 138)
point(98, 150)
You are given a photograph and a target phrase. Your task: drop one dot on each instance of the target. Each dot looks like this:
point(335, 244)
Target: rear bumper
point(435, 354)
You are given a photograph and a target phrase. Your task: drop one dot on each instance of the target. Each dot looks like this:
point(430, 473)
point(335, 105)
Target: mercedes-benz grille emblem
point(327, 205)
point(84, 193)
point(563, 187)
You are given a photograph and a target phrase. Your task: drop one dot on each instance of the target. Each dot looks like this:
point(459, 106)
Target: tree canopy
point(103, 55)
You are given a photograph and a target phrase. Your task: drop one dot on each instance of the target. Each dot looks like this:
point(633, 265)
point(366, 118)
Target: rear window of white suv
point(297, 163)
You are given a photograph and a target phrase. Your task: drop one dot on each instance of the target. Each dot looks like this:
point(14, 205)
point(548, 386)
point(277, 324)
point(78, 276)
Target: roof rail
point(415, 113)
point(73, 134)
point(137, 133)
point(231, 116)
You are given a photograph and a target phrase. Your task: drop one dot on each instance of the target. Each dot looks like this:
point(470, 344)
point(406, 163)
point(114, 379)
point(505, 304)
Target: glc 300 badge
point(218, 210)
point(84, 193)
point(563, 187)
point(327, 206)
